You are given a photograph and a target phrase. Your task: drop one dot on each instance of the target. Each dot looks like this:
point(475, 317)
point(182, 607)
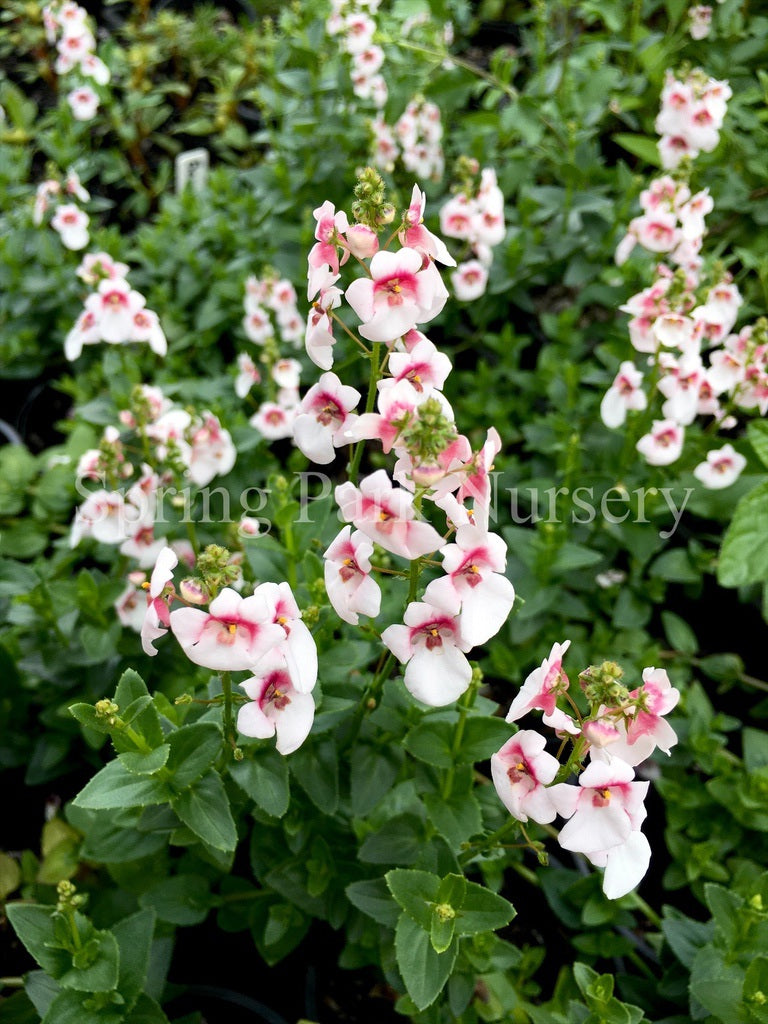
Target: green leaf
point(373, 898)
point(263, 777)
point(744, 552)
point(458, 818)
point(95, 967)
point(640, 145)
point(194, 748)
point(134, 938)
point(145, 764)
point(10, 875)
point(146, 1011)
point(373, 771)
point(424, 971)
point(482, 911)
point(130, 687)
point(184, 899)
point(315, 767)
point(415, 892)
point(755, 746)
point(684, 935)
point(717, 985)
point(68, 1008)
point(757, 435)
point(86, 715)
point(482, 738)
point(399, 841)
point(430, 742)
point(441, 931)
point(205, 809)
point(114, 786)
point(679, 634)
point(34, 926)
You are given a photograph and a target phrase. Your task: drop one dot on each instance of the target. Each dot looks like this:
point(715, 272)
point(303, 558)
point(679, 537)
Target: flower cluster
point(475, 216)
point(69, 220)
point(271, 314)
point(174, 446)
point(114, 312)
point(683, 321)
point(261, 634)
point(401, 291)
point(605, 810)
point(67, 28)
point(415, 138)
point(353, 21)
point(700, 20)
point(691, 116)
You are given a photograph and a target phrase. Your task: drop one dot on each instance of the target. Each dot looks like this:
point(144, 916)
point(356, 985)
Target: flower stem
point(494, 839)
point(375, 373)
point(226, 685)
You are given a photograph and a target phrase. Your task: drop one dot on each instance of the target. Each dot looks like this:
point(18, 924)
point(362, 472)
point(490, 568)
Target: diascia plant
point(351, 651)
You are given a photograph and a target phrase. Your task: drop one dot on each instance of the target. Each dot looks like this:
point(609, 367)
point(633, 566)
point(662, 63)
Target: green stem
point(373, 379)
point(647, 910)
point(226, 685)
point(460, 62)
point(575, 759)
point(490, 841)
point(192, 535)
point(465, 705)
point(290, 547)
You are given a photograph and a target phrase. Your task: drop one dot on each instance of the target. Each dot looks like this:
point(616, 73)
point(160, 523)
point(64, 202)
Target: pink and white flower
point(323, 417)
point(603, 810)
point(234, 634)
point(431, 646)
point(212, 451)
point(664, 444)
point(625, 393)
point(298, 646)
point(721, 468)
point(276, 707)
point(273, 421)
point(469, 280)
point(351, 589)
point(398, 295)
point(83, 102)
point(521, 771)
point(247, 375)
point(72, 225)
point(475, 577)
point(541, 690)
point(386, 515)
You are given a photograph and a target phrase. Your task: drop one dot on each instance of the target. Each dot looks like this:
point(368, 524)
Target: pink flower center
point(518, 772)
point(601, 797)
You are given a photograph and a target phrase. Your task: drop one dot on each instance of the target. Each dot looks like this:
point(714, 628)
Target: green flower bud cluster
point(370, 206)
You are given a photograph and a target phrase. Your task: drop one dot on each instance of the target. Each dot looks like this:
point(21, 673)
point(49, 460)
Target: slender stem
point(575, 758)
point(373, 379)
point(290, 547)
point(465, 704)
point(353, 336)
point(460, 62)
point(490, 841)
point(192, 535)
point(647, 910)
point(226, 685)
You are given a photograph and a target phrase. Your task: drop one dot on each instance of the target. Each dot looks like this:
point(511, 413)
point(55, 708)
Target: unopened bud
point(193, 592)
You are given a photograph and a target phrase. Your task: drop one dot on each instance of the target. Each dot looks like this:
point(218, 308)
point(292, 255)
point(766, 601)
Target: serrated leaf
point(744, 552)
point(424, 971)
point(264, 778)
point(373, 898)
point(204, 808)
point(145, 764)
point(114, 786)
point(430, 742)
point(193, 749)
point(482, 911)
point(415, 892)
